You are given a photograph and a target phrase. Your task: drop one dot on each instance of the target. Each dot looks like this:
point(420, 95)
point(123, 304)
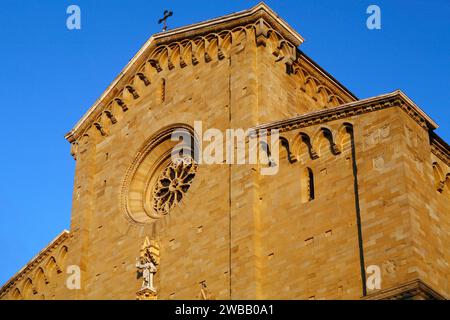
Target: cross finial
point(163, 20)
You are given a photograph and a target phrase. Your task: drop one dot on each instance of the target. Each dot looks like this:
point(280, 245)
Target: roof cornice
point(394, 99)
point(59, 239)
point(260, 11)
point(229, 21)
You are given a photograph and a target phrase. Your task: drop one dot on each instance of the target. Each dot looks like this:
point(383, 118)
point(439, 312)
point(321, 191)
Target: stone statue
point(146, 269)
point(146, 265)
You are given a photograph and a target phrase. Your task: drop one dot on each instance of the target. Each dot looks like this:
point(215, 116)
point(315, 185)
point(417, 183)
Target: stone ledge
point(413, 290)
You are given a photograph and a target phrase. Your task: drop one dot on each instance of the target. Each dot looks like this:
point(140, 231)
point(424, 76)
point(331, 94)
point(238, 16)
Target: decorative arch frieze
point(35, 277)
point(204, 48)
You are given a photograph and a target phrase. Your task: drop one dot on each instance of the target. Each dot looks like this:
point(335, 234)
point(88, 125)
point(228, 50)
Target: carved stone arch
point(98, 124)
point(324, 88)
point(323, 140)
point(239, 35)
point(16, 294)
point(344, 137)
point(156, 59)
point(322, 94)
point(148, 171)
point(226, 41)
point(62, 256)
point(316, 82)
point(160, 58)
point(39, 280)
point(201, 49)
point(300, 78)
point(190, 53)
point(51, 268)
point(185, 53)
point(311, 84)
point(174, 53)
point(216, 47)
point(439, 179)
point(124, 99)
point(212, 45)
point(302, 147)
point(27, 289)
point(288, 51)
point(140, 81)
point(285, 150)
point(273, 43)
point(334, 100)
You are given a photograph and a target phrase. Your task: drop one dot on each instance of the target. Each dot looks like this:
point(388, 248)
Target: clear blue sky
point(50, 76)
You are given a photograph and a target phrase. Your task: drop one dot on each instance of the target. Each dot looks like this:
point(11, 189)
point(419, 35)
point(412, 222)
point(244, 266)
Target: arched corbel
point(194, 49)
point(155, 64)
point(143, 78)
point(220, 54)
point(285, 143)
point(74, 149)
point(170, 64)
point(111, 116)
point(99, 127)
point(121, 104)
point(182, 62)
point(440, 186)
point(207, 56)
point(132, 91)
point(438, 177)
point(329, 136)
point(206, 48)
point(194, 60)
point(307, 140)
point(183, 48)
point(58, 268)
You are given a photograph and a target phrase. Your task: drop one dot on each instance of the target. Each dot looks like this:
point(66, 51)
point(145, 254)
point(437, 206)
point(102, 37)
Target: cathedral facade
point(359, 206)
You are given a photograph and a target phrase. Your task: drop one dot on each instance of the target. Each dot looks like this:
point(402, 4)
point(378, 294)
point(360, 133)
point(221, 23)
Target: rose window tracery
point(172, 184)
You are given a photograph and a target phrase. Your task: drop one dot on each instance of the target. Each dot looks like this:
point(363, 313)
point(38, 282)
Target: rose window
point(172, 184)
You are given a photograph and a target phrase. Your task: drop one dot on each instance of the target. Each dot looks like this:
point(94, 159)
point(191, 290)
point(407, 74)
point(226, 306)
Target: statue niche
point(147, 266)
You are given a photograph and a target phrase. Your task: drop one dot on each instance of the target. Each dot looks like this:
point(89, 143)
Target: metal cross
point(163, 20)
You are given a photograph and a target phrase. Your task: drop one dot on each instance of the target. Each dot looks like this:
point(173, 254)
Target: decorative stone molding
point(413, 290)
point(29, 269)
point(316, 82)
point(394, 99)
point(440, 148)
